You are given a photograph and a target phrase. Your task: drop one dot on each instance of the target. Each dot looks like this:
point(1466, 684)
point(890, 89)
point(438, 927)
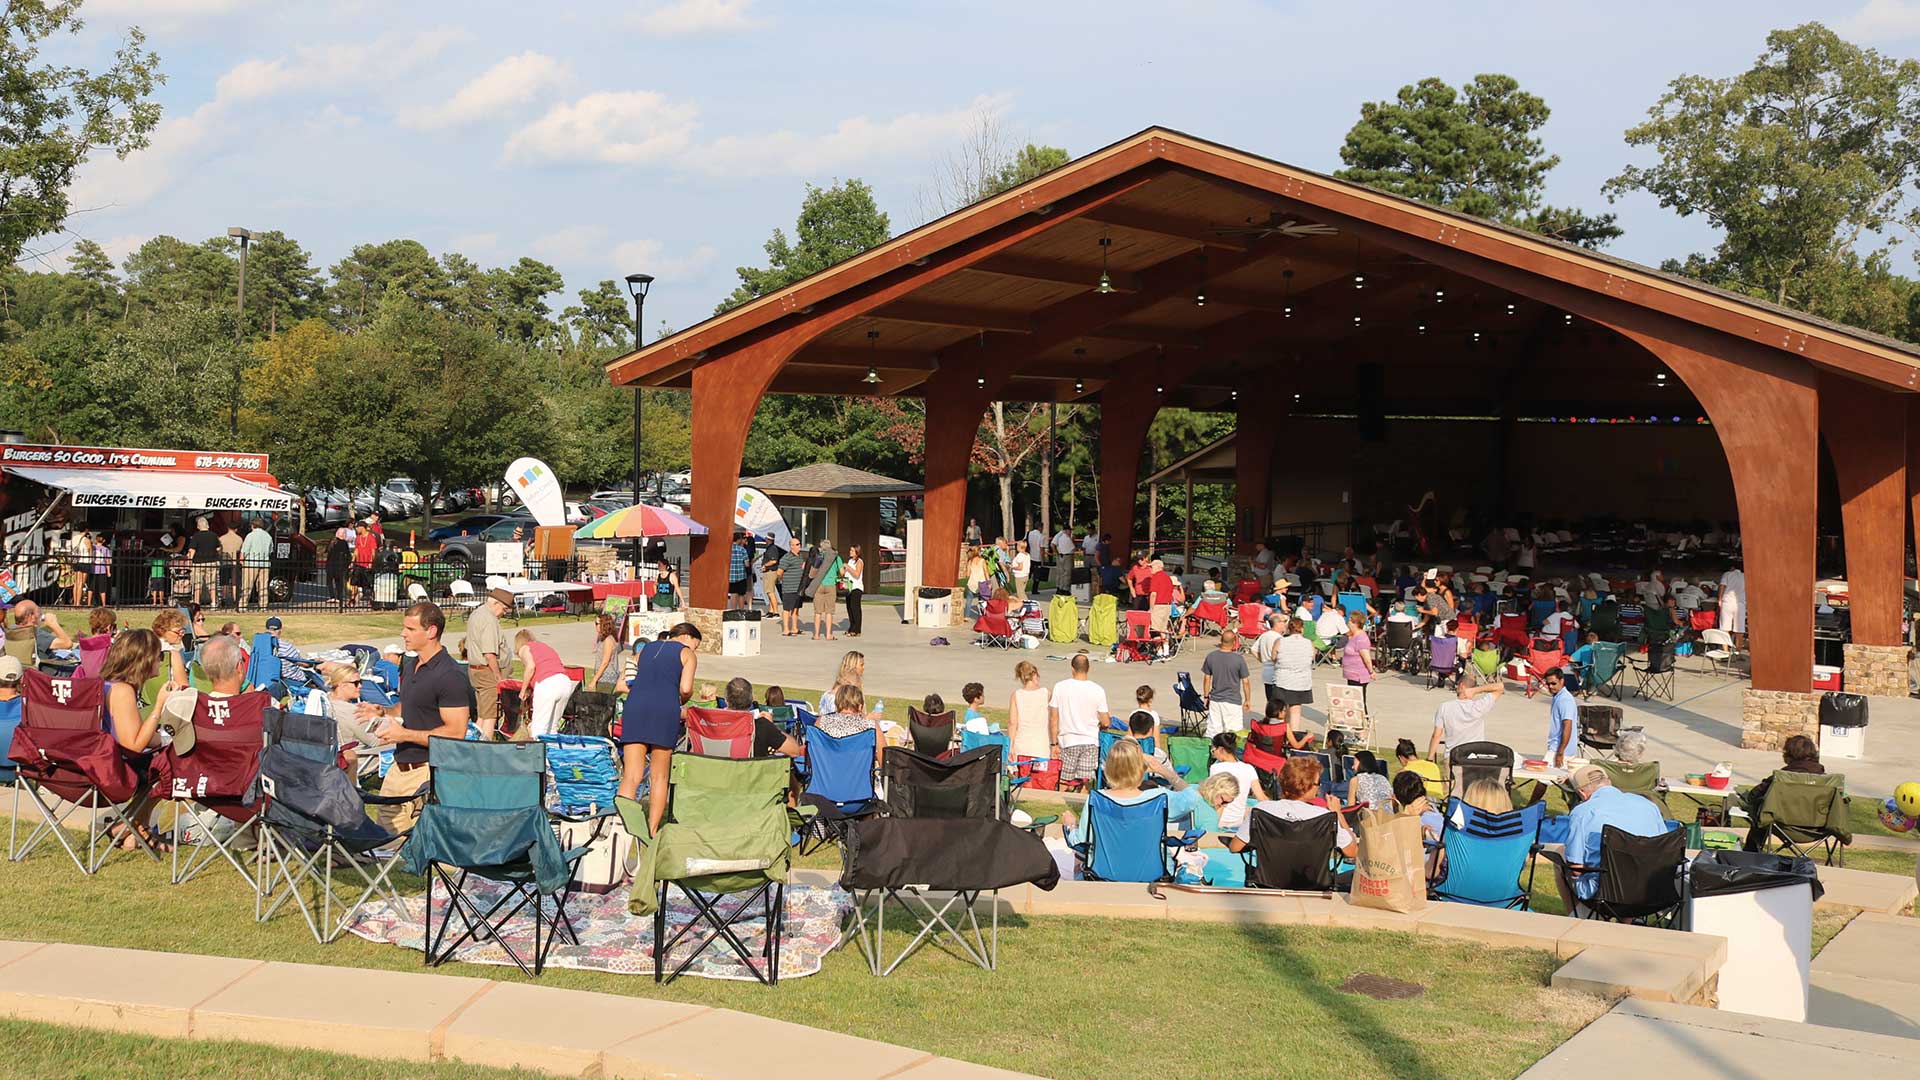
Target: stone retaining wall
point(708, 622)
point(1770, 717)
point(1876, 670)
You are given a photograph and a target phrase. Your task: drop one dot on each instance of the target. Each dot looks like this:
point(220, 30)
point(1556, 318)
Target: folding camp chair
point(1510, 634)
point(1252, 619)
point(264, 668)
point(315, 827)
point(840, 786)
point(1443, 662)
point(1103, 621)
point(1139, 641)
point(726, 733)
point(62, 751)
point(1601, 675)
point(215, 787)
point(932, 735)
point(1543, 656)
point(1190, 755)
point(1639, 878)
point(995, 628)
point(1193, 707)
point(1599, 729)
point(1063, 620)
point(1207, 617)
point(1470, 762)
point(909, 859)
point(1295, 855)
point(1347, 711)
point(1655, 672)
point(1486, 854)
point(1485, 661)
point(93, 653)
point(1125, 841)
point(726, 835)
point(1807, 814)
point(486, 817)
point(1323, 650)
point(1641, 778)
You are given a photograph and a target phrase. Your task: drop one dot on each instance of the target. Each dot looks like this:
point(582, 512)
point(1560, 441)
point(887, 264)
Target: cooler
point(934, 608)
point(1763, 905)
point(1825, 678)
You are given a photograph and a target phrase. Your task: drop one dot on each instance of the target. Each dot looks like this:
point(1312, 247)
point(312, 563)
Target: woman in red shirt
point(365, 546)
point(544, 686)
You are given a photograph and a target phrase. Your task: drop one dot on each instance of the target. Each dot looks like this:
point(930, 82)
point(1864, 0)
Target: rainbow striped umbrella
point(639, 521)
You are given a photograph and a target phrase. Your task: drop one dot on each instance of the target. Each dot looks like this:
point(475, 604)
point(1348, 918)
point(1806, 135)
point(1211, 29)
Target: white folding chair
point(461, 591)
point(417, 592)
point(1718, 651)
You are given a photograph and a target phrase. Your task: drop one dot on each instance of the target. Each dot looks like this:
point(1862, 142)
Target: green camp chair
point(1602, 676)
point(1103, 622)
point(1323, 651)
point(726, 835)
point(1193, 751)
point(1486, 662)
point(1063, 620)
point(486, 817)
point(1642, 778)
point(1806, 813)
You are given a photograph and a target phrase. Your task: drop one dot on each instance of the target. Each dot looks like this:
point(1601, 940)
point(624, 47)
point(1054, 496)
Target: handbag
point(609, 852)
point(1390, 872)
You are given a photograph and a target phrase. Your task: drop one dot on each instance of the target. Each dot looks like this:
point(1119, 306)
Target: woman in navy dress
point(651, 724)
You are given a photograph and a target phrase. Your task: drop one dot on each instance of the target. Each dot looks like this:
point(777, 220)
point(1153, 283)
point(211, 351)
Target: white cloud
point(686, 17)
point(570, 244)
point(1882, 20)
point(179, 141)
point(478, 243)
point(166, 10)
point(332, 118)
point(513, 81)
point(854, 141)
point(650, 256)
point(628, 127)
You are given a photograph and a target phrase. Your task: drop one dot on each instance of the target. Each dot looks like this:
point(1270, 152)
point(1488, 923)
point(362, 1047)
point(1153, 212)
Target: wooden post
point(1186, 544)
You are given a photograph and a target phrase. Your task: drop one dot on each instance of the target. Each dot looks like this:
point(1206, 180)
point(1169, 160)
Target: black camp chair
point(1294, 855)
point(932, 735)
point(1640, 878)
point(1474, 761)
point(1600, 728)
point(1655, 672)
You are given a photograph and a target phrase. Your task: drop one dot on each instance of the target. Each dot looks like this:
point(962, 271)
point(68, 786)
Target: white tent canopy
point(141, 489)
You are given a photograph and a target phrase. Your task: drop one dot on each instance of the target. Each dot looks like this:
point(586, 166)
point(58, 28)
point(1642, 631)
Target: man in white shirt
point(1090, 545)
point(1262, 564)
point(1332, 623)
point(1464, 719)
point(1263, 651)
point(1063, 560)
point(1557, 624)
point(1075, 716)
point(1036, 541)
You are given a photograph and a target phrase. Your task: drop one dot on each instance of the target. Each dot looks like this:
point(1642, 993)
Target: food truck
point(146, 501)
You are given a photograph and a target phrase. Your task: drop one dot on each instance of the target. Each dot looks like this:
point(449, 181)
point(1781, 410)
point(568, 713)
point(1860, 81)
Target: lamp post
point(637, 284)
point(245, 236)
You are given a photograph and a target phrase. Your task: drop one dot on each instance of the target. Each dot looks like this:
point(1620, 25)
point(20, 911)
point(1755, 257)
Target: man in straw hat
point(486, 657)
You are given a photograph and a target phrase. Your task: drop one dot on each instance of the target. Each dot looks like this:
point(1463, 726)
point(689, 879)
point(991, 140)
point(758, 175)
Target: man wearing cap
point(486, 645)
point(1562, 712)
point(1601, 804)
point(283, 648)
point(1159, 597)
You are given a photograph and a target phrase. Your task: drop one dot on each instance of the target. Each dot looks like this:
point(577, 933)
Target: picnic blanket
point(614, 941)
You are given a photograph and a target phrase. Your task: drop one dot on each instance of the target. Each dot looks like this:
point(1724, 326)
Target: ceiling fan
point(1277, 225)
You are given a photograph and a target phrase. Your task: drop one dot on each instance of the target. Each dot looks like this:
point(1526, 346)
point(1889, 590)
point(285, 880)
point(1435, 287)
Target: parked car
point(402, 490)
point(470, 524)
point(579, 513)
point(459, 551)
point(326, 506)
point(390, 505)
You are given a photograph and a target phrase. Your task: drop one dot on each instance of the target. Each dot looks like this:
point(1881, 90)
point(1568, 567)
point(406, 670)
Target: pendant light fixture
point(1286, 294)
point(1106, 279)
point(873, 369)
point(1200, 293)
point(1080, 360)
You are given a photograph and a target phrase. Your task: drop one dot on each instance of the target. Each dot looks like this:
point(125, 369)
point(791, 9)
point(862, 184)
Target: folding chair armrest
point(578, 819)
point(574, 855)
point(395, 800)
point(805, 810)
point(1043, 822)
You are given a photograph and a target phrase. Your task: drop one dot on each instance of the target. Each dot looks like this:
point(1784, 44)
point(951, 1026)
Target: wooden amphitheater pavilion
point(1228, 279)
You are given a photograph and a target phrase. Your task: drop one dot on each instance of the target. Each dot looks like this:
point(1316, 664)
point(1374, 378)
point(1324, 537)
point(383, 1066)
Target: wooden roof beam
point(1053, 271)
point(1193, 230)
point(957, 316)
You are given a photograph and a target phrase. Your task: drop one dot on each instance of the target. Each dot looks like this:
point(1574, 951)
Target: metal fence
point(292, 580)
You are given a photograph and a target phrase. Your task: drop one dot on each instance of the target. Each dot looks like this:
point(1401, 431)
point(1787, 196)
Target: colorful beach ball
point(1907, 795)
point(1893, 819)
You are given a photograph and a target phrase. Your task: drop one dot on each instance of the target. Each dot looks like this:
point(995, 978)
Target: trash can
point(740, 633)
point(934, 607)
point(1843, 725)
point(1763, 905)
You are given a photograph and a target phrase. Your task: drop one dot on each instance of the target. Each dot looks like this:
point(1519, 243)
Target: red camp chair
point(93, 653)
point(995, 625)
point(1705, 619)
point(1207, 616)
point(725, 733)
point(1467, 631)
point(1266, 750)
point(1510, 634)
point(1139, 642)
point(1253, 620)
point(1543, 656)
point(1245, 591)
point(63, 750)
point(218, 780)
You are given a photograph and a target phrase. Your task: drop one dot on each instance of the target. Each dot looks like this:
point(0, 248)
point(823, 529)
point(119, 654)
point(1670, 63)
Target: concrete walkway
point(1868, 977)
point(1649, 1038)
point(428, 1017)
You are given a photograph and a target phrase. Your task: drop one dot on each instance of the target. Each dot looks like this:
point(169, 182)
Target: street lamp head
point(637, 284)
point(239, 233)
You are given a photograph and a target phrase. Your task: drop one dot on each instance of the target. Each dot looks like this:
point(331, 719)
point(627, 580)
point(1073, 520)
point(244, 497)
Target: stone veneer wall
point(1770, 717)
point(708, 622)
point(959, 614)
point(1877, 670)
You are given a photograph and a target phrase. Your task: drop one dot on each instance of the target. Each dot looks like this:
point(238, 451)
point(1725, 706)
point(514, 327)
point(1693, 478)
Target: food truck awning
point(139, 489)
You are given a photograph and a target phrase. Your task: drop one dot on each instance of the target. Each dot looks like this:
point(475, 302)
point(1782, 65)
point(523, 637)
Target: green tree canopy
point(835, 224)
point(56, 116)
point(1476, 150)
point(1806, 162)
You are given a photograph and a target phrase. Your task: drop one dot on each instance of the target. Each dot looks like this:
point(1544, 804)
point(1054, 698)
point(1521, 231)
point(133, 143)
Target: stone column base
point(959, 615)
point(708, 622)
point(1769, 717)
point(1877, 670)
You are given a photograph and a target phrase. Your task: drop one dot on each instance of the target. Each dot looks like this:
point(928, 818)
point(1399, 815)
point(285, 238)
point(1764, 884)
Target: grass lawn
point(52, 1052)
point(1074, 997)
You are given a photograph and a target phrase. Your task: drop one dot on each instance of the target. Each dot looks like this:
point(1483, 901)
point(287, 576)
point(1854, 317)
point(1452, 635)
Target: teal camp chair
point(486, 816)
point(1602, 675)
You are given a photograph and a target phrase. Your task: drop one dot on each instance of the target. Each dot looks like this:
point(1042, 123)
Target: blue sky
point(672, 136)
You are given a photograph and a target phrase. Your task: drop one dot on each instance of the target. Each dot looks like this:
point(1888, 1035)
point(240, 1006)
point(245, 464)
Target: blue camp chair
point(1193, 707)
point(263, 667)
point(1125, 841)
point(486, 816)
point(1485, 854)
point(586, 773)
point(1351, 602)
point(840, 786)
